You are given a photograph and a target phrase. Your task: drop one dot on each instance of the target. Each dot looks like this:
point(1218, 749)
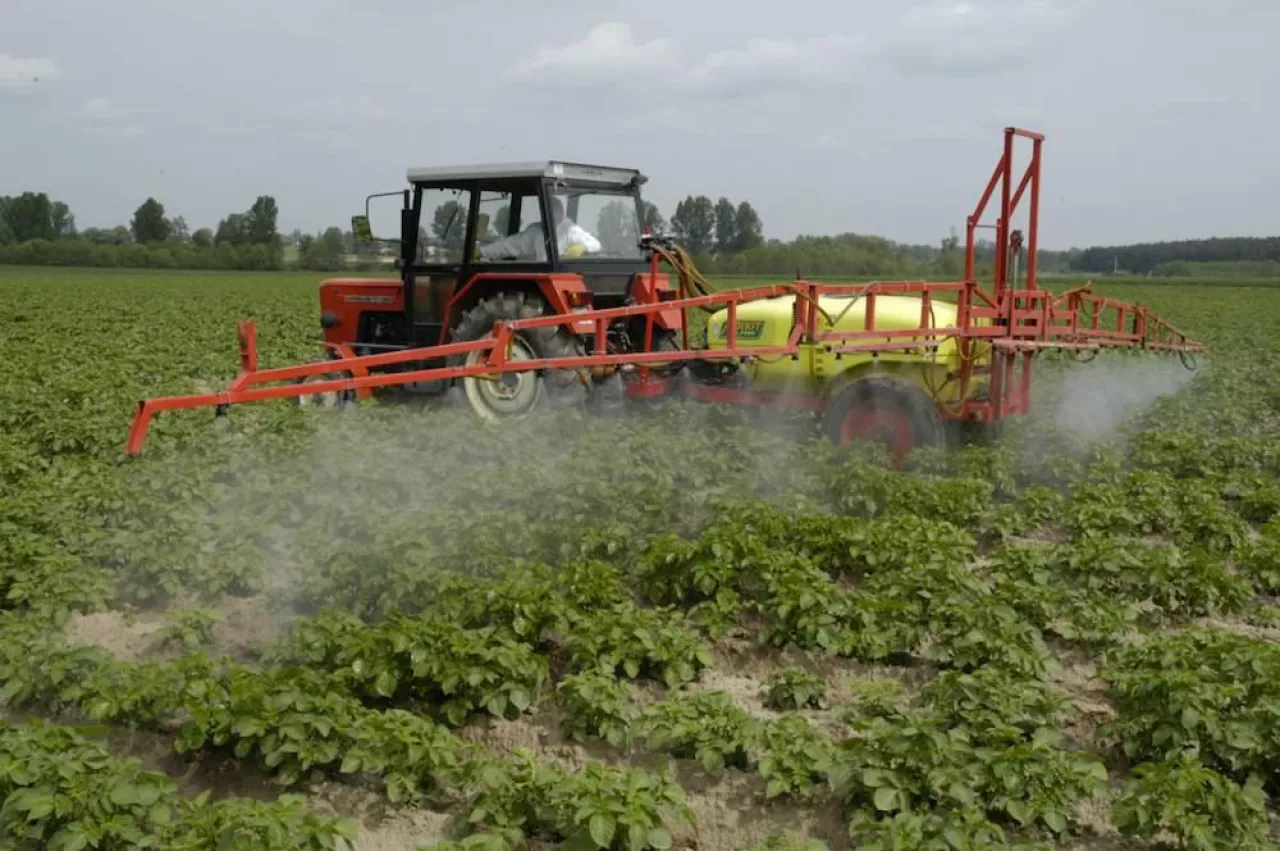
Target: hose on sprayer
point(692, 282)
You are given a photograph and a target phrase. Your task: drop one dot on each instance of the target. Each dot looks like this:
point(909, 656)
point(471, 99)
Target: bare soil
point(127, 638)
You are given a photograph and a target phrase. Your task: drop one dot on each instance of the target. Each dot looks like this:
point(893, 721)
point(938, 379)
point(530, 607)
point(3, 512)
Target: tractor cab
point(565, 236)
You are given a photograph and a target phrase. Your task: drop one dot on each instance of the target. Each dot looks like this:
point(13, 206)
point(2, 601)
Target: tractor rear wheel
point(515, 394)
point(888, 410)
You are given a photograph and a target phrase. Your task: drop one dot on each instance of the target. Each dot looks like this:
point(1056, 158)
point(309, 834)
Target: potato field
point(389, 628)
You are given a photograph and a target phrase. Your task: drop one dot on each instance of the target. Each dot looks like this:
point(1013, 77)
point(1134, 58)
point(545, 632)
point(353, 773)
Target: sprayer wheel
point(887, 410)
point(516, 394)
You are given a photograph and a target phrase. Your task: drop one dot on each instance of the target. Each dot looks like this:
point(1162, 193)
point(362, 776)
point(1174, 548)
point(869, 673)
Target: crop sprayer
point(523, 316)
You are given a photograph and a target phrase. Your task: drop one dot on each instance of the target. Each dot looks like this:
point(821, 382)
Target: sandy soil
point(126, 638)
point(1241, 627)
point(247, 624)
point(381, 827)
point(1079, 680)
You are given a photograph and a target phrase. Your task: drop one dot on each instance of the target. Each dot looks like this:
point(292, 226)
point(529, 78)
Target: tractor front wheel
point(882, 409)
point(515, 394)
point(327, 398)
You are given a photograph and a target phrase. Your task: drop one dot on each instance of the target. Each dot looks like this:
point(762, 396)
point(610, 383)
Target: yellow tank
point(768, 322)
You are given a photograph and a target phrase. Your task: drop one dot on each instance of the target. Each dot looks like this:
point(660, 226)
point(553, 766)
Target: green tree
point(179, 230)
point(949, 261)
point(748, 231)
point(61, 220)
point(333, 242)
point(693, 224)
point(118, 235)
point(6, 234)
point(726, 227)
point(321, 252)
point(260, 222)
point(652, 218)
point(233, 230)
point(29, 216)
point(202, 238)
point(149, 224)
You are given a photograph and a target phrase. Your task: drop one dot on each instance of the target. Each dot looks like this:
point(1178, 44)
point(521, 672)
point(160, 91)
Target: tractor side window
point(444, 224)
point(509, 229)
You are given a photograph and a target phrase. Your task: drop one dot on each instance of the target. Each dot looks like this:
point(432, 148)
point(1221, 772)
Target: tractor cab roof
point(549, 170)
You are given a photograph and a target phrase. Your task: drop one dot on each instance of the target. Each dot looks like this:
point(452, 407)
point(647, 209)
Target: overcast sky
point(874, 116)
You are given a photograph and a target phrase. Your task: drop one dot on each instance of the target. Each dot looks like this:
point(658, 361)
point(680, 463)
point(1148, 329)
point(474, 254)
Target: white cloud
point(769, 63)
point(972, 36)
point(612, 54)
point(101, 117)
point(23, 75)
point(608, 50)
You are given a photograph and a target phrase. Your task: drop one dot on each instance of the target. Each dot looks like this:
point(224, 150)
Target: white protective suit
point(529, 245)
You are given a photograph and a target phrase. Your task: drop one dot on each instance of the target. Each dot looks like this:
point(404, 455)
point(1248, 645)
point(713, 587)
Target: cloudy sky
point(875, 116)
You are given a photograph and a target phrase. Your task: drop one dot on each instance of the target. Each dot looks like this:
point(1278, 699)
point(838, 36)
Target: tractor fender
point(647, 289)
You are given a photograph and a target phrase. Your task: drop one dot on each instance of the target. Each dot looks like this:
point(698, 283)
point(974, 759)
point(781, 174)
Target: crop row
point(63, 792)
point(979, 753)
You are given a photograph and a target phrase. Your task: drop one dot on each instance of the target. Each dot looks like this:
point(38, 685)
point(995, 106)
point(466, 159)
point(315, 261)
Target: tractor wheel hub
point(505, 394)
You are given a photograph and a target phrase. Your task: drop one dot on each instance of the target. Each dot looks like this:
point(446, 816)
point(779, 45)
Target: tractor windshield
point(609, 218)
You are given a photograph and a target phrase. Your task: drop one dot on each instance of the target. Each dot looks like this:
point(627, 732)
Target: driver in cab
point(572, 240)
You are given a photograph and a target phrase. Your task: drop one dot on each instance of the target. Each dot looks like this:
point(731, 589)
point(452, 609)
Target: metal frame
point(1015, 321)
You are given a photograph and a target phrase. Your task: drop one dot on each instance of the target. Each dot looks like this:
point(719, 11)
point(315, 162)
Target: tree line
point(719, 229)
point(1229, 256)
point(37, 230)
point(724, 237)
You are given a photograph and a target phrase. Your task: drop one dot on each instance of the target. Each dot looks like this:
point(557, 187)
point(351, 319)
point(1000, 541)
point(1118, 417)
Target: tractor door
point(441, 264)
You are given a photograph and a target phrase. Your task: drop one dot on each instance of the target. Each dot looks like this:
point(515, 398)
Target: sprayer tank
point(769, 322)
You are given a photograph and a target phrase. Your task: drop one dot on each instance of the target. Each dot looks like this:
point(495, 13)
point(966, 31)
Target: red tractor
point(474, 251)
point(537, 283)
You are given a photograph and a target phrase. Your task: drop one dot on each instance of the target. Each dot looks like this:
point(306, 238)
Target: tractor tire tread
point(564, 386)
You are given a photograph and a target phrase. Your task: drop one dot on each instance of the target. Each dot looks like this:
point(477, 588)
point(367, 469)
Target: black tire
point(534, 390)
point(885, 409)
point(976, 433)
